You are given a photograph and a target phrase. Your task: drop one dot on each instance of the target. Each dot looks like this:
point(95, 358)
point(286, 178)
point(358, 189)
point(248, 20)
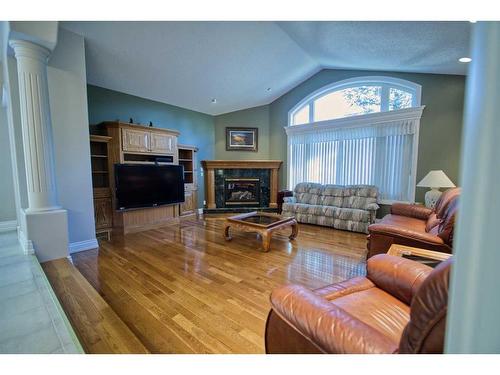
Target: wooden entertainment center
point(137, 144)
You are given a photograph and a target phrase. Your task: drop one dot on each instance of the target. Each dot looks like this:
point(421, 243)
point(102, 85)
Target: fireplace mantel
point(241, 164)
point(209, 167)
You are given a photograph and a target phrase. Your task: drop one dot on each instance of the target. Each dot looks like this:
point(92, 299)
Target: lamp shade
point(436, 179)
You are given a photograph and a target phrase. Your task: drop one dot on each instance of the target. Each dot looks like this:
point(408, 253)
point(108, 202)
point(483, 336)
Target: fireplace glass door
point(241, 192)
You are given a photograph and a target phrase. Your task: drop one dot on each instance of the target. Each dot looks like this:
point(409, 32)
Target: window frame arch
point(386, 82)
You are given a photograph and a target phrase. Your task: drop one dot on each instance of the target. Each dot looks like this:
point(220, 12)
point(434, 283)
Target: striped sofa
point(350, 207)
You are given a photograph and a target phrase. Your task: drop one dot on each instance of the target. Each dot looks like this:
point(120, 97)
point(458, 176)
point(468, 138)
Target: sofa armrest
point(395, 231)
point(400, 277)
point(331, 328)
point(372, 208)
point(411, 210)
point(289, 200)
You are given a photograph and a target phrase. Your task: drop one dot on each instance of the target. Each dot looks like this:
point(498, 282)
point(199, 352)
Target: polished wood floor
point(97, 326)
point(184, 289)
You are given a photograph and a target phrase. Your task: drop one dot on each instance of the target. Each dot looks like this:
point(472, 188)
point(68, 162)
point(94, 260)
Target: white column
point(474, 306)
point(36, 124)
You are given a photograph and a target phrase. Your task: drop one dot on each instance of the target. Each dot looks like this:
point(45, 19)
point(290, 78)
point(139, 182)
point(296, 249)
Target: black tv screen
point(148, 185)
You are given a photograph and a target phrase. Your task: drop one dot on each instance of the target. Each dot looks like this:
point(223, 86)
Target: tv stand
point(136, 144)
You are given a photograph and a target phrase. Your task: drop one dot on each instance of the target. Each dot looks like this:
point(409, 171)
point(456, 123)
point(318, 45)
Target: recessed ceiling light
point(214, 101)
point(465, 59)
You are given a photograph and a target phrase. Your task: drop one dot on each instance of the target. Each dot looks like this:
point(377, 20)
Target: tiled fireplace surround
point(222, 175)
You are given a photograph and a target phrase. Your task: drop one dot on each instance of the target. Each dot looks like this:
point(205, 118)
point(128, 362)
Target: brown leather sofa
point(399, 307)
point(416, 226)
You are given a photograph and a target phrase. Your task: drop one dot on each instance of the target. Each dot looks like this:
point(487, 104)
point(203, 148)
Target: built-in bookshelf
point(187, 158)
point(103, 208)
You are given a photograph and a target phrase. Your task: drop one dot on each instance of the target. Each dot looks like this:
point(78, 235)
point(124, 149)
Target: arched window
point(355, 97)
point(358, 131)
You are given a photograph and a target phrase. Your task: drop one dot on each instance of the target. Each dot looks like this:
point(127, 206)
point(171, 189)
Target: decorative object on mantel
point(435, 180)
point(151, 124)
point(131, 121)
point(242, 139)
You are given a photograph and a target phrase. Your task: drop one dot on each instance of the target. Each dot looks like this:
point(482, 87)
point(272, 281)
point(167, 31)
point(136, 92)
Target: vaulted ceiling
point(246, 64)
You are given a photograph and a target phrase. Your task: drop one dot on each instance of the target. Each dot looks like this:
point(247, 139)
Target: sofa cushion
point(333, 190)
point(330, 200)
point(359, 196)
point(308, 198)
point(308, 187)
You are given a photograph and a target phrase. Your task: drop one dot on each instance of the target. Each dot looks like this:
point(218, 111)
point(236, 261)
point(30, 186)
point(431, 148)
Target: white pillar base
point(48, 231)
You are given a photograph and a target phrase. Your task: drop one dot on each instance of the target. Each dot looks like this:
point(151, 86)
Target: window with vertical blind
point(362, 131)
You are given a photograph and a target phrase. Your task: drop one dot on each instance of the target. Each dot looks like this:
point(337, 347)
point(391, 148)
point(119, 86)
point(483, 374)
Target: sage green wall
point(196, 128)
point(440, 128)
point(257, 117)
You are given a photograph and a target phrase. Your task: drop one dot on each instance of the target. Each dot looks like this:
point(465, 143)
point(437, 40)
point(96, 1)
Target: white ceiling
point(189, 63)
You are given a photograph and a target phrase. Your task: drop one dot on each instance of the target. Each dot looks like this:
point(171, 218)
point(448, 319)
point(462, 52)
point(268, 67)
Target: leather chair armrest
point(411, 210)
point(398, 276)
point(331, 328)
point(395, 231)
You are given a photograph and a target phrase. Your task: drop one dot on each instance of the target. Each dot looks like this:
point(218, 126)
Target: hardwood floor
point(97, 326)
point(184, 289)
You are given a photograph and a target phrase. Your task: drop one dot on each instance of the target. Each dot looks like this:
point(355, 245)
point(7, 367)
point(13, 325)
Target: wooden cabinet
point(163, 143)
point(187, 158)
point(189, 205)
point(103, 204)
point(148, 141)
point(135, 140)
point(103, 213)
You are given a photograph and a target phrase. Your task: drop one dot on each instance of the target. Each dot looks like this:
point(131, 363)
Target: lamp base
point(431, 197)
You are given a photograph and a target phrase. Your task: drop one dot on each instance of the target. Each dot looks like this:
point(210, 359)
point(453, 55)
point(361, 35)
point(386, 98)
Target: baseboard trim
point(76, 247)
point(8, 225)
point(27, 245)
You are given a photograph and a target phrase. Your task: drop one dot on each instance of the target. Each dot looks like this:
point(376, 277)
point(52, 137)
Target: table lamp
point(434, 180)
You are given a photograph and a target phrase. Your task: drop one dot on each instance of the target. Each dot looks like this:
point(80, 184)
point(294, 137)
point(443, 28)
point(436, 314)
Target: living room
point(248, 187)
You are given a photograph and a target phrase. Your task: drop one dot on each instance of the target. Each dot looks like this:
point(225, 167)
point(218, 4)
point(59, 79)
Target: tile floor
point(31, 319)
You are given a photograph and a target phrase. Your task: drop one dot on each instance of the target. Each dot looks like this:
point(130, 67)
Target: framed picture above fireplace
point(242, 139)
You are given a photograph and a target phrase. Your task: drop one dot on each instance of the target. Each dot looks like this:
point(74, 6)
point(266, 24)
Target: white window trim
point(384, 81)
point(369, 119)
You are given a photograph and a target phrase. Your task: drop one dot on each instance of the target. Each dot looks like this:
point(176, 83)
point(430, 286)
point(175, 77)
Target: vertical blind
point(380, 154)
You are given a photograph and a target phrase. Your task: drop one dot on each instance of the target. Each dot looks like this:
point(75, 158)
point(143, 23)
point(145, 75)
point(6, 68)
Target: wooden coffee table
point(260, 222)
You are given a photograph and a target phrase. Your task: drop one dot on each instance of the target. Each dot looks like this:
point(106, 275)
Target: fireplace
point(240, 185)
point(241, 192)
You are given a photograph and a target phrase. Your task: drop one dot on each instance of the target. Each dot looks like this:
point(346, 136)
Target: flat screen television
point(148, 185)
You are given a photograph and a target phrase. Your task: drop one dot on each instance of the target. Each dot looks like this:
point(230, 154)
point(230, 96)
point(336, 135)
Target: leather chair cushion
point(445, 228)
point(425, 330)
point(404, 222)
point(396, 275)
point(330, 327)
point(444, 200)
point(378, 309)
point(432, 222)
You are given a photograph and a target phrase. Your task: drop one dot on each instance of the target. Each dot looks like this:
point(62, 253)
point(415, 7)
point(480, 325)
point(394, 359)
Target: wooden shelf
point(99, 156)
point(189, 160)
point(100, 172)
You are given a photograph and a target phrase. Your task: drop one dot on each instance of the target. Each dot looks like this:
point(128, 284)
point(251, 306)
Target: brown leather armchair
point(416, 226)
point(399, 307)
